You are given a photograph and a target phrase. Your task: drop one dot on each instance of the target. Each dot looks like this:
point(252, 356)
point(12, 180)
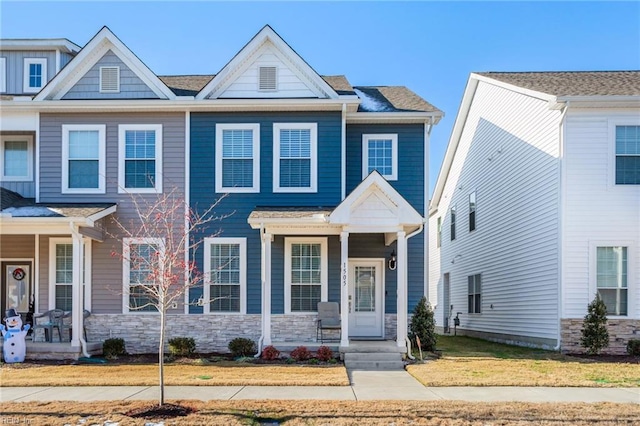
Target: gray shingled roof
point(17, 206)
point(186, 85)
point(574, 83)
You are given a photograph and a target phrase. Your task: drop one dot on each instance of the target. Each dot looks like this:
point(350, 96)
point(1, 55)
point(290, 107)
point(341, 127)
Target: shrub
point(113, 348)
point(182, 346)
point(314, 361)
point(270, 353)
point(324, 353)
point(423, 326)
point(241, 346)
point(595, 336)
point(633, 347)
point(301, 353)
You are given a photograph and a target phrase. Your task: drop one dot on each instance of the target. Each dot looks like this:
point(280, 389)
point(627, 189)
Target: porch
point(37, 351)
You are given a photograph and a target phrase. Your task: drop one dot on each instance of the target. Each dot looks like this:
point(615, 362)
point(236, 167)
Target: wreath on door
point(18, 274)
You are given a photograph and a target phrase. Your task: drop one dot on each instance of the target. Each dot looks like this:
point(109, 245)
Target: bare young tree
point(157, 244)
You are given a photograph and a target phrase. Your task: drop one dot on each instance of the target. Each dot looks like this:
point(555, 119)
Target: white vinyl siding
point(611, 278)
point(141, 261)
point(627, 155)
point(225, 265)
point(83, 159)
point(35, 74)
point(237, 158)
point(305, 274)
point(109, 79)
point(140, 158)
point(380, 152)
point(295, 158)
point(3, 75)
point(16, 158)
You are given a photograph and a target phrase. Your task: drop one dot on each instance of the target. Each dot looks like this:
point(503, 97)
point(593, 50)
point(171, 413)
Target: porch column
point(402, 289)
point(266, 288)
point(344, 288)
point(76, 301)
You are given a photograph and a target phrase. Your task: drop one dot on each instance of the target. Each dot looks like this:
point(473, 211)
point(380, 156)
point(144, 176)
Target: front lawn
point(467, 361)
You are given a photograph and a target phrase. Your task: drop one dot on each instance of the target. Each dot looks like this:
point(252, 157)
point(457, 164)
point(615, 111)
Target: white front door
point(366, 281)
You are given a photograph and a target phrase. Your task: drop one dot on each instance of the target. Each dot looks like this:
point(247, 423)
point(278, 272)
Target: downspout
point(343, 143)
point(80, 325)
point(428, 126)
point(407, 341)
point(561, 202)
point(262, 279)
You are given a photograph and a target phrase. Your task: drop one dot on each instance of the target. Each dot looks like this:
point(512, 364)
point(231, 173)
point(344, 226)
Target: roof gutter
point(394, 117)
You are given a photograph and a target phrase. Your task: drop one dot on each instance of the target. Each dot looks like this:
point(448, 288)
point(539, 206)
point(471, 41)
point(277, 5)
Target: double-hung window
point(627, 155)
point(472, 211)
point(83, 159)
point(295, 158)
point(237, 157)
point(305, 268)
point(16, 158)
point(475, 293)
point(380, 152)
point(225, 265)
point(439, 233)
point(3, 75)
point(453, 222)
point(611, 278)
point(35, 74)
point(140, 158)
point(61, 267)
point(142, 263)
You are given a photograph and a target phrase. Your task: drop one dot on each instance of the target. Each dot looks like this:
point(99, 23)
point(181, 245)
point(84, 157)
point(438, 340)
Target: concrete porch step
point(389, 360)
point(372, 356)
point(374, 365)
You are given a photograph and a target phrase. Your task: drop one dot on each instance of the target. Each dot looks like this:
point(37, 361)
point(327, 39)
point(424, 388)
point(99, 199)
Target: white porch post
point(344, 288)
point(402, 289)
point(266, 288)
point(76, 305)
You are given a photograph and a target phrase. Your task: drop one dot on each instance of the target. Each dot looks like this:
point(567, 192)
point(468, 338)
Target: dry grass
point(473, 362)
point(292, 413)
point(194, 375)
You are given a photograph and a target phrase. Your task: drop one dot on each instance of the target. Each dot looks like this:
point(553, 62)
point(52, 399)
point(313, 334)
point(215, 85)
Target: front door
point(366, 283)
point(16, 286)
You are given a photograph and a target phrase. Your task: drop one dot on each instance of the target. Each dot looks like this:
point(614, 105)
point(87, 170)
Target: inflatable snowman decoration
point(14, 347)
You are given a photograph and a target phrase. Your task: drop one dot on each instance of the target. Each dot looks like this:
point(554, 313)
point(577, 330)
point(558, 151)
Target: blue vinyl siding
point(240, 205)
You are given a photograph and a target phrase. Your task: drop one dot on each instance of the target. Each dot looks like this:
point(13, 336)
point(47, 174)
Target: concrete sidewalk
point(365, 385)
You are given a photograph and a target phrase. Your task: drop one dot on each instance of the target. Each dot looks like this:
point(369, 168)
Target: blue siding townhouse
point(326, 189)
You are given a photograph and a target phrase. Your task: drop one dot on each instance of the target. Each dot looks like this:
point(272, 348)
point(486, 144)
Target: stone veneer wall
point(620, 331)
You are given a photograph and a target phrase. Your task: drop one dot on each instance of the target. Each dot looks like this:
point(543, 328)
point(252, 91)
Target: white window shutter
point(109, 79)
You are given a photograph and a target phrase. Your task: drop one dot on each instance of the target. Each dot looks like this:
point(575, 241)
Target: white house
point(537, 208)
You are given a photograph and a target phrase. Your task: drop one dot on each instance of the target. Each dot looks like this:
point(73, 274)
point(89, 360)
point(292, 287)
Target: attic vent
point(267, 78)
point(109, 79)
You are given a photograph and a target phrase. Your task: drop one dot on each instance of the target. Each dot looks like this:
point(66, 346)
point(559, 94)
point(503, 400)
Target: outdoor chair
point(328, 319)
point(69, 325)
point(48, 321)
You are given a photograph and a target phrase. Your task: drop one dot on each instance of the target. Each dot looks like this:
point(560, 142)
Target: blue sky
point(430, 47)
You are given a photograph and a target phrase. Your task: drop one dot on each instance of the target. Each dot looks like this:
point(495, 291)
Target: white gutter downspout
point(77, 320)
point(407, 341)
point(428, 126)
point(343, 142)
point(561, 221)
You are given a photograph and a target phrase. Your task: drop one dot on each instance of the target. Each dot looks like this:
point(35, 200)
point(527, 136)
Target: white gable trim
point(242, 60)
point(99, 45)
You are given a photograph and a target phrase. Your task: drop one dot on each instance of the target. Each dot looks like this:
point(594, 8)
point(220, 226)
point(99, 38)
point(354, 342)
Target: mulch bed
point(159, 412)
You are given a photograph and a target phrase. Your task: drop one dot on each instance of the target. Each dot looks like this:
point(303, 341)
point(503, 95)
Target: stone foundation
point(391, 326)
point(620, 332)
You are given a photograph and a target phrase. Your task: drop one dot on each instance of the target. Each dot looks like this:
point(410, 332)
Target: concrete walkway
point(365, 385)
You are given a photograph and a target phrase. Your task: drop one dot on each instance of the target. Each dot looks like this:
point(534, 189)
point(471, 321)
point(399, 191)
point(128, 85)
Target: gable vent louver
point(268, 78)
point(109, 79)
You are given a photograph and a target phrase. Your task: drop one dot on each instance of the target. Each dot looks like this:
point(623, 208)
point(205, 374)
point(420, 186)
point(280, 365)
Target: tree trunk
point(161, 356)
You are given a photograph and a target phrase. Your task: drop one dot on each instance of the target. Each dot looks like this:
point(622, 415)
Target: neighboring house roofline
point(62, 44)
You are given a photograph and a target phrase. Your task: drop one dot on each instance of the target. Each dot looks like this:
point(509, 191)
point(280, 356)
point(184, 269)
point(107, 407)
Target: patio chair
point(328, 319)
point(69, 325)
point(48, 321)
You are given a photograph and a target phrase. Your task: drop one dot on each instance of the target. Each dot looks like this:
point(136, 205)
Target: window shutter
point(109, 79)
point(267, 78)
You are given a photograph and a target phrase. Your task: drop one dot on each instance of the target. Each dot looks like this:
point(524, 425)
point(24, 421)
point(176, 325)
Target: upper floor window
point(268, 78)
point(83, 158)
point(453, 222)
point(611, 278)
point(439, 233)
point(35, 74)
point(628, 155)
point(475, 294)
point(225, 265)
point(380, 152)
point(237, 158)
point(305, 268)
point(140, 158)
point(3, 75)
point(109, 79)
point(16, 158)
point(472, 211)
point(295, 160)
point(142, 261)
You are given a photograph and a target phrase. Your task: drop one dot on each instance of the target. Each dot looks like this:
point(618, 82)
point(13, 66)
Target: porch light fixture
point(392, 261)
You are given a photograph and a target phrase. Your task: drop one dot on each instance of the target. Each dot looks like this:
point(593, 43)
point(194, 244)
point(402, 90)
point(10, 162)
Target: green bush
point(182, 346)
point(270, 353)
point(113, 348)
point(633, 347)
point(301, 353)
point(595, 336)
point(423, 326)
point(241, 346)
point(324, 353)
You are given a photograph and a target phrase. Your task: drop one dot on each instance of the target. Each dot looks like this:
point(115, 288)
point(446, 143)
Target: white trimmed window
point(439, 233)
point(109, 79)
point(140, 158)
point(3, 75)
point(472, 211)
point(16, 159)
point(475, 293)
point(612, 278)
point(295, 157)
point(83, 158)
point(237, 157)
point(61, 273)
point(380, 152)
point(453, 222)
point(305, 274)
point(225, 265)
point(627, 140)
point(35, 74)
point(142, 259)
